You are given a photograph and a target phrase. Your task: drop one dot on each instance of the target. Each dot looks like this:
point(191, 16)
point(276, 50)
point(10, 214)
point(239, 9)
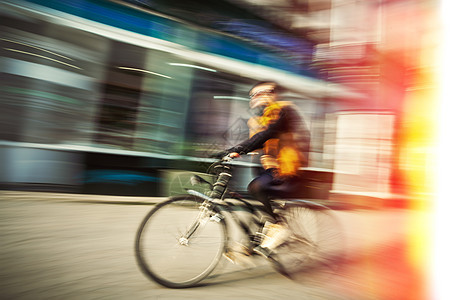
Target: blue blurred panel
point(236, 49)
point(116, 15)
point(227, 47)
point(118, 176)
point(134, 20)
point(261, 32)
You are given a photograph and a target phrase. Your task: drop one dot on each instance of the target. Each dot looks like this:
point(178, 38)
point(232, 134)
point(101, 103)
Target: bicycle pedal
point(264, 252)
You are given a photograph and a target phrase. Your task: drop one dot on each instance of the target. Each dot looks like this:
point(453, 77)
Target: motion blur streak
point(41, 49)
point(41, 56)
point(444, 249)
point(144, 71)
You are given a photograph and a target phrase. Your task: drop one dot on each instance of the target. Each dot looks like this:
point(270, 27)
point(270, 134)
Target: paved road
point(56, 246)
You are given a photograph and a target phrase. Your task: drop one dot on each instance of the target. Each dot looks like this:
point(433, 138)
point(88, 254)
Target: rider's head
point(263, 94)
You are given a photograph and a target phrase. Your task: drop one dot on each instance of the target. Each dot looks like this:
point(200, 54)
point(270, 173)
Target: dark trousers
point(268, 186)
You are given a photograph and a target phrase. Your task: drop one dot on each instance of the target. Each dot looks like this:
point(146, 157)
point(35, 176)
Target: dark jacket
point(283, 137)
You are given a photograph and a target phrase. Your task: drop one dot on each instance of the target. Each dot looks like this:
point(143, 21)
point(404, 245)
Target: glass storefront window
point(50, 75)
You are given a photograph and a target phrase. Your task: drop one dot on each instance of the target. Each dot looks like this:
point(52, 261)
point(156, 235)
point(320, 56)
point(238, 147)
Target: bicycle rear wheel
point(180, 242)
point(315, 246)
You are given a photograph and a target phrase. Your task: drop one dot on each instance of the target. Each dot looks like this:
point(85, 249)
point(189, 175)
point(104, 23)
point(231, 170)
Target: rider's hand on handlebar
point(233, 155)
point(230, 156)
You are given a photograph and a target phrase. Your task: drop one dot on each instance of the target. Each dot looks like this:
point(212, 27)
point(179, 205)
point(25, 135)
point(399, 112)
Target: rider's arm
point(272, 131)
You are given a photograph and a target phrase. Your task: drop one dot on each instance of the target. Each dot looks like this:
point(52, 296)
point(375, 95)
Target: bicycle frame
point(218, 195)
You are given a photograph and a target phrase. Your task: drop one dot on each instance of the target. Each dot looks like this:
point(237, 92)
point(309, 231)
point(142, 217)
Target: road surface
point(58, 246)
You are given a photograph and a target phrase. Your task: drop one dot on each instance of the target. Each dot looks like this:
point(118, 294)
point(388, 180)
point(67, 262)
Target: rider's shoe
point(276, 234)
point(238, 255)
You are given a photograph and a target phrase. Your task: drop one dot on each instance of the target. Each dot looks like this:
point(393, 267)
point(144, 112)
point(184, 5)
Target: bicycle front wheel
point(180, 242)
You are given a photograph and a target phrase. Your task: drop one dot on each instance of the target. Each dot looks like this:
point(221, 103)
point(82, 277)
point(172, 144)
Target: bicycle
point(181, 241)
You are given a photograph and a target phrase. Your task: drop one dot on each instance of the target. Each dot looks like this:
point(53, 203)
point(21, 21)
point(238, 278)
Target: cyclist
point(281, 133)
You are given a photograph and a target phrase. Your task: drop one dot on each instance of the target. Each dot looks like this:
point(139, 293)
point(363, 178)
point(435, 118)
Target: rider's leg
point(269, 186)
point(263, 188)
point(259, 188)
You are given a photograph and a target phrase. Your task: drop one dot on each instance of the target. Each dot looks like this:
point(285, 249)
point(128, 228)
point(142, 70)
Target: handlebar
point(233, 155)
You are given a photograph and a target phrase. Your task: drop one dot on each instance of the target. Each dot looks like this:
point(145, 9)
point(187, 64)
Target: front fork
point(206, 214)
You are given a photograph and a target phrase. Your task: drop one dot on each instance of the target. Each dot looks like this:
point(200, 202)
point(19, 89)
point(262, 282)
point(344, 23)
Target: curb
point(86, 198)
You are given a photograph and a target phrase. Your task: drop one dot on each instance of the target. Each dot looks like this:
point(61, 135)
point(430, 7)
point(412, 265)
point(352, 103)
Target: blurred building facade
point(107, 96)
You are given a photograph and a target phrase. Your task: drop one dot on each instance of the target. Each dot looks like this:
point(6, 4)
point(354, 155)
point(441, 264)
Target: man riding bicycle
point(281, 133)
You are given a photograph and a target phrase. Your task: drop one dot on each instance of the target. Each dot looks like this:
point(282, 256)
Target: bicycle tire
point(316, 243)
point(159, 250)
